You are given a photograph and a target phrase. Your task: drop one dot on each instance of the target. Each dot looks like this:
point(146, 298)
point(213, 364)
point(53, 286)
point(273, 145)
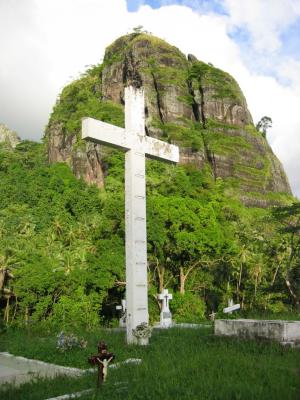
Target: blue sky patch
point(240, 35)
point(291, 40)
point(215, 6)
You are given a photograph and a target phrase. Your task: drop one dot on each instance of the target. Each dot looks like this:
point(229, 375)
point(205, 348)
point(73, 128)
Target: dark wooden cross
point(102, 360)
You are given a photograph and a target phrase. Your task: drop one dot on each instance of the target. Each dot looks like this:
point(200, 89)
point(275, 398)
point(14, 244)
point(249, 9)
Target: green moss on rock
point(220, 83)
point(83, 98)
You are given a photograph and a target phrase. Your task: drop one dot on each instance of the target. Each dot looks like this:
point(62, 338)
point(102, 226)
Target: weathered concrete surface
point(281, 331)
point(18, 370)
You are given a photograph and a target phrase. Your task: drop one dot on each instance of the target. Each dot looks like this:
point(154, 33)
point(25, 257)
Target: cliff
point(8, 137)
point(190, 103)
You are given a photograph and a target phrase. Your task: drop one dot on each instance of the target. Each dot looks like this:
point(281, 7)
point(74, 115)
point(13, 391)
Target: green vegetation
point(82, 98)
point(263, 125)
point(50, 227)
point(43, 388)
point(64, 243)
point(144, 40)
point(186, 137)
point(180, 363)
point(205, 77)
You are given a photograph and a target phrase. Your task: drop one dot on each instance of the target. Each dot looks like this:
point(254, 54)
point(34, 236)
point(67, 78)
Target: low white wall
point(282, 331)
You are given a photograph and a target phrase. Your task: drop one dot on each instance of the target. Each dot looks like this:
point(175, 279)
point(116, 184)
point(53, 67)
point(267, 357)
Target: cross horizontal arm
point(160, 150)
point(103, 133)
point(110, 135)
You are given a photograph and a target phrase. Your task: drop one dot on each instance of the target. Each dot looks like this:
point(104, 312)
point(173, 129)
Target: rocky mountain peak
point(187, 102)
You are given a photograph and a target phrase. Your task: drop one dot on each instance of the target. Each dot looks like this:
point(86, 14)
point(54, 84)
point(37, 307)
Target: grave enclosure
point(284, 332)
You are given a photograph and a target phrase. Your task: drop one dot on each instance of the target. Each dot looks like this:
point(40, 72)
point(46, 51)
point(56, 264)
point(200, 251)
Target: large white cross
point(136, 144)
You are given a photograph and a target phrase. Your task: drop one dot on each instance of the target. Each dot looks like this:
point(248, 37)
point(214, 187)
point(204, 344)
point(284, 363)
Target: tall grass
point(178, 364)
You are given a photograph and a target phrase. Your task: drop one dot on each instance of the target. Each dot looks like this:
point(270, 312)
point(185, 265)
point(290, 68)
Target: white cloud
point(264, 20)
point(266, 97)
point(46, 42)
point(289, 69)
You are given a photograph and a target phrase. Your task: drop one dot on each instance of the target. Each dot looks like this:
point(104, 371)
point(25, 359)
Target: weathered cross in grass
point(136, 144)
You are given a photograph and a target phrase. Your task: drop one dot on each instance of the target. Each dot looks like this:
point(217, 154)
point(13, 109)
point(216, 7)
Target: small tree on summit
point(263, 125)
point(138, 29)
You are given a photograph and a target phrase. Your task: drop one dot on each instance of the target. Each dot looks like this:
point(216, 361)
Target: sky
point(45, 44)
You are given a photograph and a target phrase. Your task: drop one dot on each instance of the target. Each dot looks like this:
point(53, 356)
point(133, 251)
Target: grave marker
point(165, 314)
point(122, 308)
point(231, 308)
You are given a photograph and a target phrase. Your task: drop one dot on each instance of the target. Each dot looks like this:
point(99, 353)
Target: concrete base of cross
point(166, 319)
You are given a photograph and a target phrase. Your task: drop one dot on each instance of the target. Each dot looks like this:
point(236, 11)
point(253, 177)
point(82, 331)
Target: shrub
point(187, 307)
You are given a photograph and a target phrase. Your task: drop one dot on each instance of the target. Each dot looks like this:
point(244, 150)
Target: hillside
point(63, 242)
point(189, 103)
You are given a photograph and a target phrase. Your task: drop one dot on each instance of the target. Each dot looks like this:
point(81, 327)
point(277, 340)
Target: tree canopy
point(63, 243)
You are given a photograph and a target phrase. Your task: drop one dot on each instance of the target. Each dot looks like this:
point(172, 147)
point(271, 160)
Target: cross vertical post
point(135, 216)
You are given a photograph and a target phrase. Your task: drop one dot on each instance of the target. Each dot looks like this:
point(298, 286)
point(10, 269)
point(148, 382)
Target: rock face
point(85, 162)
point(188, 102)
point(8, 137)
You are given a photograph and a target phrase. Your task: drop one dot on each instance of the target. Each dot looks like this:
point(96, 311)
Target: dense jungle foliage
point(63, 242)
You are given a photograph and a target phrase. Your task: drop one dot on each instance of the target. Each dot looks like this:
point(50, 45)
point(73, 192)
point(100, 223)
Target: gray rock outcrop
point(8, 137)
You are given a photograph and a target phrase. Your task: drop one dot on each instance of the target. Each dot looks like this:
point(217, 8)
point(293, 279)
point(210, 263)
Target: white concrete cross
point(136, 144)
point(165, 314)
point(122, 308)
point(231, 307)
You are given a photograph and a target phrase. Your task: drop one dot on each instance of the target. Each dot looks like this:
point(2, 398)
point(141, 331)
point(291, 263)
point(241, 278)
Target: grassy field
point(178, 364)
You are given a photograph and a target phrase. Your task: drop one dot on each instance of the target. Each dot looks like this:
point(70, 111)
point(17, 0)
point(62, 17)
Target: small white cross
point(122, 308)
point(231, 308)
point(165, 314)
point(165, 297)
point(212, 316)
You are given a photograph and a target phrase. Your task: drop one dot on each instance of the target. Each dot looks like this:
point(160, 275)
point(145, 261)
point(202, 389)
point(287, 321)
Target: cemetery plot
point(179, 363)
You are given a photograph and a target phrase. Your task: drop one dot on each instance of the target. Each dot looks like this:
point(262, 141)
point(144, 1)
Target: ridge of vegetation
point(63, 241)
